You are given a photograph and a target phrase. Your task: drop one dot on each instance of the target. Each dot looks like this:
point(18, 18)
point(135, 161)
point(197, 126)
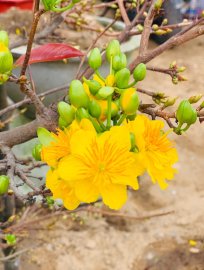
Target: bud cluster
point(104, 101)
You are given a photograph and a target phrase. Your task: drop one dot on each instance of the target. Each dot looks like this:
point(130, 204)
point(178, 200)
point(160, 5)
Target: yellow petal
point(114, 196)
point(71, 202)
point(86, 191)
point(72, 168)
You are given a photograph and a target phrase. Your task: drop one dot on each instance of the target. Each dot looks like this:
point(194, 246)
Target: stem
point(130, 85)
point(121, 119)
point(109, 100)
point(101, 124)
point(99, 75)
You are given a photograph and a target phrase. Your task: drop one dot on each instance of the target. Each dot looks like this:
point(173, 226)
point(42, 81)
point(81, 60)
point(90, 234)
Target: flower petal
point(114, 196)
point(86, 191)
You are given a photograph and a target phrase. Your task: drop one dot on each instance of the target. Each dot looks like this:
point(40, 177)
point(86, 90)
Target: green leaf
point(44, 136)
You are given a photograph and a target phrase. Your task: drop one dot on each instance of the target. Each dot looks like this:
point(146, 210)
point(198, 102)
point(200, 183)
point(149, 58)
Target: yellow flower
point(60, 147)
point(100, 166)
point(61, 190)
point(155, 151)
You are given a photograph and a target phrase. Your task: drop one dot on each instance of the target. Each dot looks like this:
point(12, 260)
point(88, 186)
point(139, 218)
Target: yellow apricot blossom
point(61, 189)
point(60, 146)
point(155, 151)
point(101, 165)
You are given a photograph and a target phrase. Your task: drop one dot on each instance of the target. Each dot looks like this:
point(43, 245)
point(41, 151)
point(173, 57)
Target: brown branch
point(123, 12)
point(28, 131)
point(172, 42)
point(28, 101)
point(36, 19)
point(147, 29)
point(11, 164)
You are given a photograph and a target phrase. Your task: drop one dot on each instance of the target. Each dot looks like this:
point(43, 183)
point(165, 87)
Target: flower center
point(101, 167)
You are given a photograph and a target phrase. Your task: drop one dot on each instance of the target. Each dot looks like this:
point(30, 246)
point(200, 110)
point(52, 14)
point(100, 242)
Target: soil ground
point(159, 243)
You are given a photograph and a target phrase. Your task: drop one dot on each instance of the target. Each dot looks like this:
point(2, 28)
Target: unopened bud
point(195, 99)
point(4, 184)
point(155, 27)
point(160, 32)
point(182, 78)
point(140, 27)
point(112, 49)
point(165, 21)
point(158, 4)
point(181, 69)
point(4, 38)
point(175, 80)
point(169, 102)
point(173, 65)
point(95, 59)
point(186, 113)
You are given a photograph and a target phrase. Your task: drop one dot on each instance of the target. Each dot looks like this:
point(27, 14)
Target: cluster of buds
point(55, 5)
point(100, 99)
point(6, 58)
point(176, 78)
point(104, 101)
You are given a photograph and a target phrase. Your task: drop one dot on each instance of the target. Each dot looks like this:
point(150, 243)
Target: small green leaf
point(44, 136)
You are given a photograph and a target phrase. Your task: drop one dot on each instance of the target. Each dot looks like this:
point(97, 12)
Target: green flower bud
point(66, 112)
point(4, 38)
point(169, 102)
point(175, 80)
point(139, 72)
point(44, 136)
point(173, 65)
point(122, 78)
point(93, 85)
point(181, 69)
point(158, 4)
point(62, 123)
point(119, 61)
point(4, 184)
point(140, 27)
point(6, 60)
point(36, 153)
point(77, 95)
point(105, 92)
point(112, 49)
point(186, 113)
point(195, 99)
point(3, 78)
point(155, 27)
point(160, 32)
point(129, 101)
point(94, 109)
point(82, 113)
point(95, 59)
point(165, 21)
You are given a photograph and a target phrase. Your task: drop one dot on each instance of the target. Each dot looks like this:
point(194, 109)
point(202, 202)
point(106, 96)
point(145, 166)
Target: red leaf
point(50, 52)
